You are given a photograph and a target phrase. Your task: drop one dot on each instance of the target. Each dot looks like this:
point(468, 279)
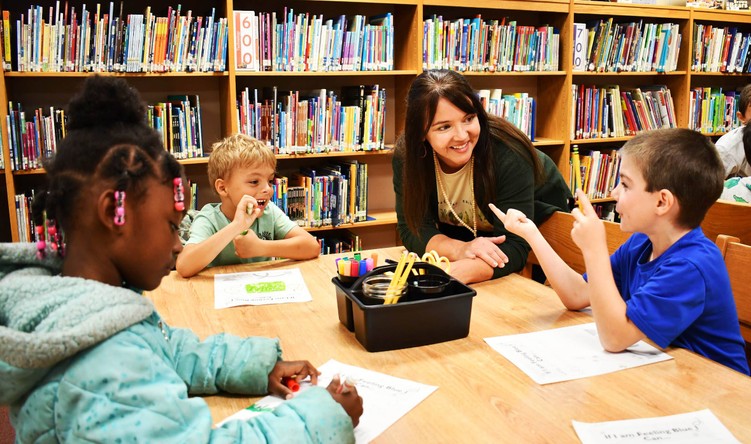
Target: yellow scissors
point(433, 258)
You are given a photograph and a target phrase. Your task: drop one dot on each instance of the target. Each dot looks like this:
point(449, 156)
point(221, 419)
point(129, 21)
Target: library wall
point(554, 85)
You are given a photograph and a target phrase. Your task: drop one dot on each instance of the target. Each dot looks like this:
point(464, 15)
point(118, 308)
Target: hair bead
point(179, 192)
point(119, 208)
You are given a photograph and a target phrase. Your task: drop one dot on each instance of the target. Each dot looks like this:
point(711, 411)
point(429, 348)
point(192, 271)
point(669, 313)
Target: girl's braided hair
point(107, 139)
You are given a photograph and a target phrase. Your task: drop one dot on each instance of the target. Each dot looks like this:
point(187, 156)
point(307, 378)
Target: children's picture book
point(385, 398)
point(685, 428)
point(260, 288)
point(563, 354)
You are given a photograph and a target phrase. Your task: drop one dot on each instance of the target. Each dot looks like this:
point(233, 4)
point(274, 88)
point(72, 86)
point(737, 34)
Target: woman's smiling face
point(453, 135)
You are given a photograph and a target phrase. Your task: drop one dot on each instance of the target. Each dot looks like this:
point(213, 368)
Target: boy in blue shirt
point(245, 226)
point(668, 282)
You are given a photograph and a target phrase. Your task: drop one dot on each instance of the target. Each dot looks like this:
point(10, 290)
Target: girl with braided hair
point(83, 356)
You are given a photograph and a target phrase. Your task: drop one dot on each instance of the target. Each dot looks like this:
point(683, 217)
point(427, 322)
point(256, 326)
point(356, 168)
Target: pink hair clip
point(119, 208)
point(177, 183)
point(52, 233)
point(41, 243)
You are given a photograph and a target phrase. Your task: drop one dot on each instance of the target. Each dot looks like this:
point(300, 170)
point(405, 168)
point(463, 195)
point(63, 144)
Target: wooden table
point(482, 397)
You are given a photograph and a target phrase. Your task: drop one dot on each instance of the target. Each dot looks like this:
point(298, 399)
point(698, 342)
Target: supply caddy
point(431, 310)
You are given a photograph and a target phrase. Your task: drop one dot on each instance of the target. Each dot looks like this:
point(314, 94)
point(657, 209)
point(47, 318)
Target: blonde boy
point(668, 282)
point(245, 226)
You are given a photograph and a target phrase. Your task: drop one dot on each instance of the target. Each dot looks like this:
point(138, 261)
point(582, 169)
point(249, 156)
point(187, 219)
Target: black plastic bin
point(417, 319)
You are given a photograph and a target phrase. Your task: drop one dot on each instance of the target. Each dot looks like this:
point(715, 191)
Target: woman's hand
point(469, 271)
point(297, 370)
point(345, 393)
point(486, 249)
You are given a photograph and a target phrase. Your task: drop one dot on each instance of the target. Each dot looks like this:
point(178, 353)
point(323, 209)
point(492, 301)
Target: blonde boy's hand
point(588, 232)
point(246, 245)
point(515, 221)
point(247, 211)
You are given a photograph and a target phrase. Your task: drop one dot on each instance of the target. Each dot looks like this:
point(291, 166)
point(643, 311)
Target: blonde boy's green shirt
point(271, 225)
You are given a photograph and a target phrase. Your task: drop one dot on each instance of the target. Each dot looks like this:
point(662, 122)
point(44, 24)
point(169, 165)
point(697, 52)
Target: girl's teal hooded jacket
point(81, 361)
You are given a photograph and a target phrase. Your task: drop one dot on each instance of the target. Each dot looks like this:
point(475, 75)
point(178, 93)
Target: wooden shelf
point(632, 10)
point(551, 89)
point(401, 72)
point(34, 75)
point(380, 218)
point(627, 73)
point(600, 140)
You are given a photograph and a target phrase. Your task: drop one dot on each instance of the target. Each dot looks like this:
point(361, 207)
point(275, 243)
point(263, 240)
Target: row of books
point(604, 46)
point(598, 172)
point(712, 110)
point(606, 111)
point(519, 108)
point(606, 211)
point(23, 217)
point(309, 42)
point(104, 40)
point(34, 136)
point(179, 122)
point(330, 195)
point(720, 49)
point(25, 223)
point(341, 242)
point(473, 44)
point(315, 121)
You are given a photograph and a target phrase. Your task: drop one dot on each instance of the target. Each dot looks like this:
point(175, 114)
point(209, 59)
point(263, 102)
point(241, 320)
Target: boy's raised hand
point(588, 232)
point(515, 221)
point(247, 211)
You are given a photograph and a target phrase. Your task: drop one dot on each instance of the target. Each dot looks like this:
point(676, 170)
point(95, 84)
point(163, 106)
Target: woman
point(451, 162)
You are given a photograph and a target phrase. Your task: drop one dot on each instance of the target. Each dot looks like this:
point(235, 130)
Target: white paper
point(687, 428)
point(260, 288)
point(569, 353)
point(385, 398)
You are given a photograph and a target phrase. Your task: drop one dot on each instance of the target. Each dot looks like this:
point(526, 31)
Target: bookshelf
point(219, 91)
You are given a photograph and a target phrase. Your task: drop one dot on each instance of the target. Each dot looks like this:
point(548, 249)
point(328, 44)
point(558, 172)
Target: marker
point(291, 383)
point(345, 385)
point(355, 267)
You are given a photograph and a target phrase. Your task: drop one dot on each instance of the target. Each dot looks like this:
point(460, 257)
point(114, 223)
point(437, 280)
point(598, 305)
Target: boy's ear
point(221, 187)
point(741, 117)
point(666, 201)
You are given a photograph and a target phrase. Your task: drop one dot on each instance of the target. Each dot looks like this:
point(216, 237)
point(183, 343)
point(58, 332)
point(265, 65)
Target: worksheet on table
point(385, 398)
point(260, 288)
point(569, 353)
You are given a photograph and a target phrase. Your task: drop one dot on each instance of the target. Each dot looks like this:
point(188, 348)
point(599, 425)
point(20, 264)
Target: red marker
point(291, 383)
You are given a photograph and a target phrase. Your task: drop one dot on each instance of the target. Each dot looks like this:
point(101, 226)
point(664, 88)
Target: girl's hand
point(486, 249)
point(298, 370)
point(345, 394)
point(588, 232)
point(515, 221)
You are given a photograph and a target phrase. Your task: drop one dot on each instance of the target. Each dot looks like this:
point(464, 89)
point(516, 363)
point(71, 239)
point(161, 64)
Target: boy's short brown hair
point(684, 162)
point(237, 151)
point(744, 99)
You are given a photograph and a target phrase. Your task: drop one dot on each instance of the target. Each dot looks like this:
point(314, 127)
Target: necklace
point(438, 172)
